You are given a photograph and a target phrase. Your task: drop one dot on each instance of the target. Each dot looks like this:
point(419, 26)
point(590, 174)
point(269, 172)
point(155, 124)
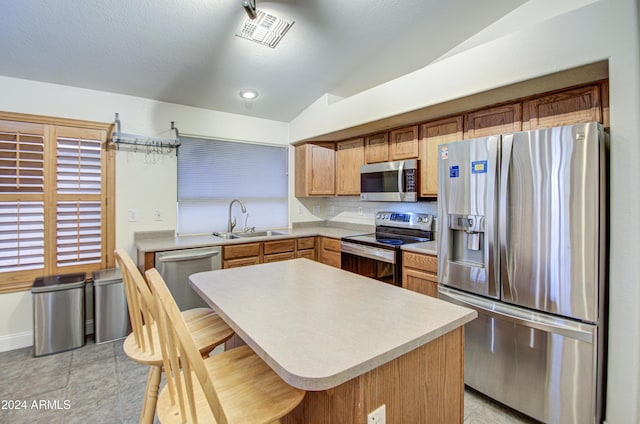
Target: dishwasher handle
point(187, 255)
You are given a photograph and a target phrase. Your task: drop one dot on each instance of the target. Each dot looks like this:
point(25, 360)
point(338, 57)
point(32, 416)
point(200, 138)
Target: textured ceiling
point(186, 51)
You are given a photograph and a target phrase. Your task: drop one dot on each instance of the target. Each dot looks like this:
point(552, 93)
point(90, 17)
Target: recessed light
point(248, 94)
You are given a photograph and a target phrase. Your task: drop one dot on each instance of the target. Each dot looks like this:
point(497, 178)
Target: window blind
point(211, 173)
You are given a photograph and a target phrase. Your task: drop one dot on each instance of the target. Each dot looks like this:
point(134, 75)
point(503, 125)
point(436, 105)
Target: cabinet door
point(575, 106)
point(315, 170)
point(330, 252)
point(234, 263)
point(420, 281)
point(404, 143)
point(349, 159)
point(433, 134)
point(307, 253)
point(493, 121)
point(241, 251)
point(376, 148)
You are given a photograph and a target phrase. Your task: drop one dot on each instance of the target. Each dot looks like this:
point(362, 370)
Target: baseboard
point(25, 339)
point(16, 341)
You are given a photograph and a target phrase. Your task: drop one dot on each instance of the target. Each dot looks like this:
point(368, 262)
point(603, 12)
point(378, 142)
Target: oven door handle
point(383, 255)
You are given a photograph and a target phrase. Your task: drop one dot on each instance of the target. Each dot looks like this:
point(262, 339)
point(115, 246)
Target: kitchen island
point(352, 342)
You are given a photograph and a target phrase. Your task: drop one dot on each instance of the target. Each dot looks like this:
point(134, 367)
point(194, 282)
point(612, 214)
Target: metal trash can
point(111, 317)
point(58, 313)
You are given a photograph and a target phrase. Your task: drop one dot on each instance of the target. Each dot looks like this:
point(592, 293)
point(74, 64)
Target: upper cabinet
point(403, 143)
point(432, 134)
point(496, 120)
point(349, 159)
point(376, 148)
point(315, 169)
point(329, 169)
point(575, 106)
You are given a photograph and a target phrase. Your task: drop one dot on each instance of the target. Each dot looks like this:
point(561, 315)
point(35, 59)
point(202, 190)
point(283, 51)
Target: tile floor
point(98, 384)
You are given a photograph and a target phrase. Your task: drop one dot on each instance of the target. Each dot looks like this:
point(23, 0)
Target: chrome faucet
point(232, 223)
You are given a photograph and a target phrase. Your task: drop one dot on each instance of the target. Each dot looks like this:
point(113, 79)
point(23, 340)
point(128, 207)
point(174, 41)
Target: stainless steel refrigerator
point(522, 240)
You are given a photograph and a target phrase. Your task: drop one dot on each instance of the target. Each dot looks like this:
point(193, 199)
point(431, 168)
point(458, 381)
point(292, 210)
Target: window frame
point(14, 281)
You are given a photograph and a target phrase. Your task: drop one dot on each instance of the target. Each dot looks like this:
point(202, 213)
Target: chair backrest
point(139, 302)
point(179, 349)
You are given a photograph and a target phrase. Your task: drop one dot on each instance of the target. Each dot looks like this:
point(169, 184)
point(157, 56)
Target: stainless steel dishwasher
point(176, 266)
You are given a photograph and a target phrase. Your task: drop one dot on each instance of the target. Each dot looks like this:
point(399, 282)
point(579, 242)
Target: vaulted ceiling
point(186, 51)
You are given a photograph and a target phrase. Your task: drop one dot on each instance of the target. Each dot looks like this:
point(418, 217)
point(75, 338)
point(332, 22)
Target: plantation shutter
point(54, 213)
point(21, 196)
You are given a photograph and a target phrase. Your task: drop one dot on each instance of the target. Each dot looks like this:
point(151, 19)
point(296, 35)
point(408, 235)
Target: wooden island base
point(423, 386)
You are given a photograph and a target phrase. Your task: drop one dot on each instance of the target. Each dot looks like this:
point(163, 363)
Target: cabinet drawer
point(279, 257)
point(234, 263)
point(307, 253)
point(279, 246)
point(424, 262)
point(306, 243)
point(241, 251)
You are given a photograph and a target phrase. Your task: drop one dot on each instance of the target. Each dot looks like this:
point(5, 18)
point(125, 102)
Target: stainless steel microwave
point(390, 181)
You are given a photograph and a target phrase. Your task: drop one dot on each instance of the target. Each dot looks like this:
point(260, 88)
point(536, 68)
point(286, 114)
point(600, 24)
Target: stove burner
point(391, 242)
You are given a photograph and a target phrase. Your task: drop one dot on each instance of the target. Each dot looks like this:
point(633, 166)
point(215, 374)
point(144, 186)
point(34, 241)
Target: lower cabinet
point(236, 255)
point(420, 273)
point(329, 253)
point(241, 255)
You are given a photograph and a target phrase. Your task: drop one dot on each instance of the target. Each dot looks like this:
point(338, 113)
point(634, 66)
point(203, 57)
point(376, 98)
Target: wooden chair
point(234, 386)
point(143, 344)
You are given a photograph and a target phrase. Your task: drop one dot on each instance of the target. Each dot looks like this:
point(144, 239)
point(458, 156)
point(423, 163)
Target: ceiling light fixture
point(250, 7)
point(248, 93)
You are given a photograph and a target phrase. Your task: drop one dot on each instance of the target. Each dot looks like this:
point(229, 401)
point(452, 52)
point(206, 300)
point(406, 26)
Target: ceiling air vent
point(266, 29)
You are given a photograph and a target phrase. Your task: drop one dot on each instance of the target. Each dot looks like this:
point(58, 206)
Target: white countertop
point(157, 244)
point(427, 247)
point(319, 326)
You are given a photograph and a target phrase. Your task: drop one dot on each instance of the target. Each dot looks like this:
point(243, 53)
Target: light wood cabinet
point(278, 250)
point(241, 255)
point(349, 159)
point(575, 106)
point(432, 134)
point(329, 252)
point(493, 121)
point(315, 171)
point(306, 248)
point(403, 143)
point(376, 148)
point(420, 273)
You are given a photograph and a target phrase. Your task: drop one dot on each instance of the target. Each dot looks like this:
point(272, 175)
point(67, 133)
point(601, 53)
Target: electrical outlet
point(157, 215)
point(378, 416)
point(316, 210)
point(360, 211)
point(132, 215)
point(299, 210)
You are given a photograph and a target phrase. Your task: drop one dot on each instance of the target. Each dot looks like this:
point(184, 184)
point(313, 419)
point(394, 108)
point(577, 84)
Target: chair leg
point(151, 395)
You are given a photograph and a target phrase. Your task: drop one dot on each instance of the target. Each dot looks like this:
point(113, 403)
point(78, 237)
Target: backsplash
point(354, 211)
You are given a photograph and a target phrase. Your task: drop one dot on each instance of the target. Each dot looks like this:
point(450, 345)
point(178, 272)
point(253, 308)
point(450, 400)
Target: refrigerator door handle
point(505, 221)
point(564, 327)
point(491, 234)
point(401, 179)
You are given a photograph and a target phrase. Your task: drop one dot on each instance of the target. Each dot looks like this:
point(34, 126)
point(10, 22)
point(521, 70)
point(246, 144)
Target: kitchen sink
point(248, 234)
point(226, 236)
point(259, 234)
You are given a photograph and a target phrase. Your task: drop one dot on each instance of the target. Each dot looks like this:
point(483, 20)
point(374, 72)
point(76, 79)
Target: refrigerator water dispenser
point(467, 239)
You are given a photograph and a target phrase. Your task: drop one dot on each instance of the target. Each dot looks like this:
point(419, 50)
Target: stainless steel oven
point(378, 255)
point(390, 181)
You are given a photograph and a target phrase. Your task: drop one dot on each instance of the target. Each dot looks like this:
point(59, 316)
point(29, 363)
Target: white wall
point(606, 29)
point(145, 181)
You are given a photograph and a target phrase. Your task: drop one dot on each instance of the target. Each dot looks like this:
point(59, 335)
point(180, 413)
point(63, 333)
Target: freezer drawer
point(542, 366)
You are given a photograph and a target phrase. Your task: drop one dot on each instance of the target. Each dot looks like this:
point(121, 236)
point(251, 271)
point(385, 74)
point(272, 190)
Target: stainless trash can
point(58, 313)
point(111, 317)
